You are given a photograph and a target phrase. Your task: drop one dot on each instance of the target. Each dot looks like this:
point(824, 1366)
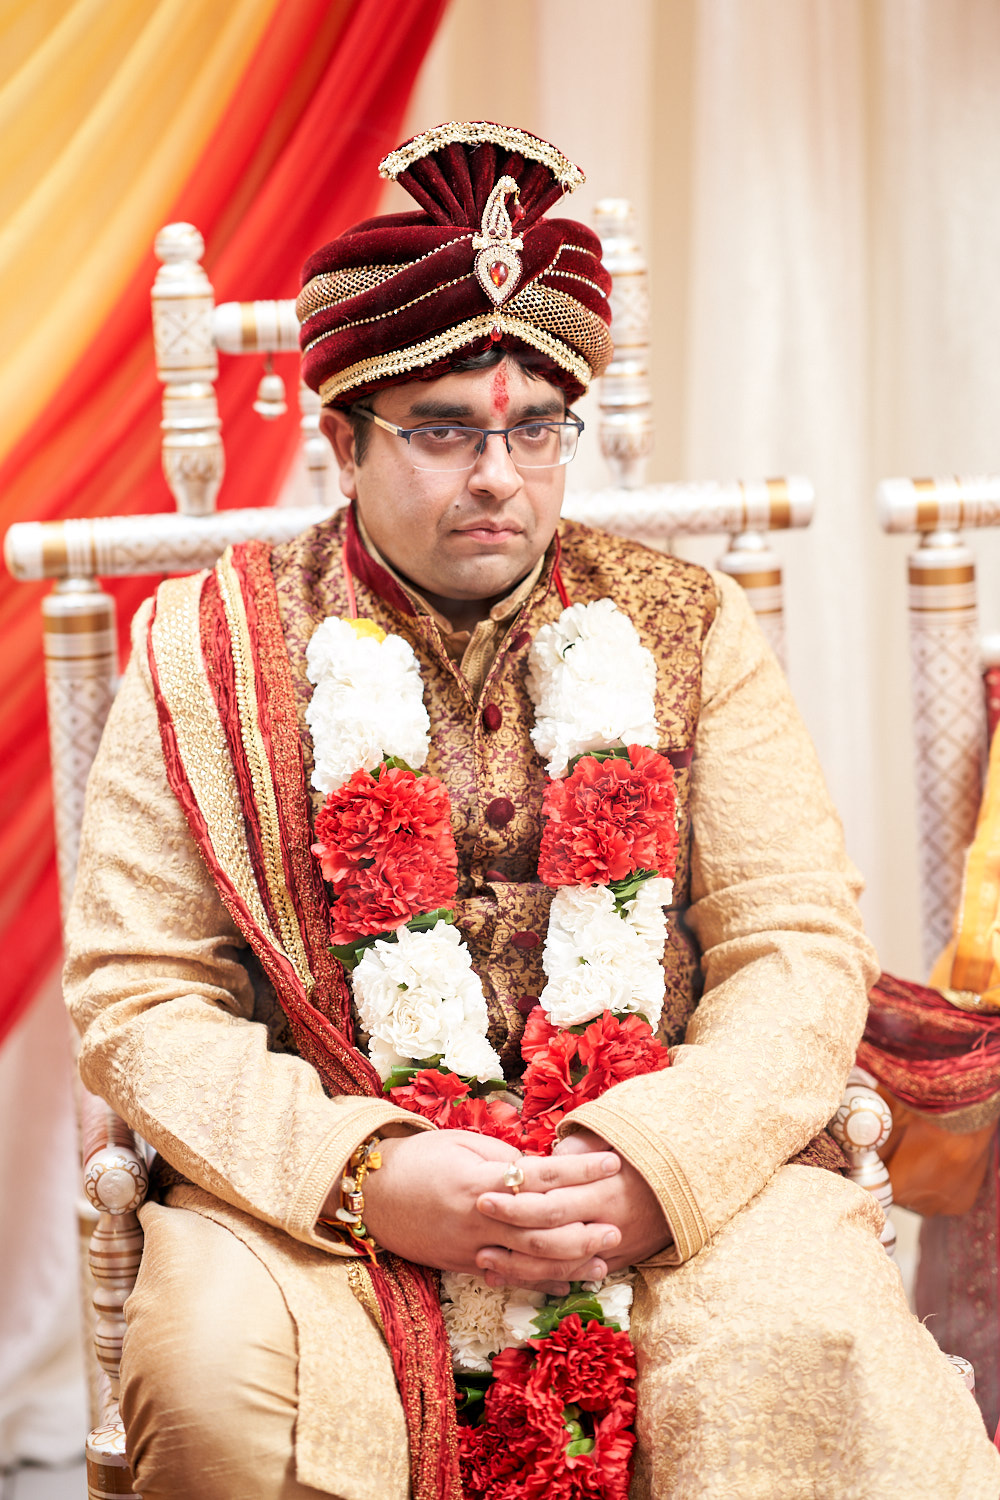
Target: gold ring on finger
point(513, 1176)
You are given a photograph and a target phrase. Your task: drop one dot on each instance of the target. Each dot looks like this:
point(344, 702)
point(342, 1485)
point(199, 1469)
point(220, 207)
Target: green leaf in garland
point(625, 890)
point(586, 1307)
point(350, 954)
point(618, 753)
point(470, 1391)
point(430, 919)
point(582, 1445)
point(397, 763)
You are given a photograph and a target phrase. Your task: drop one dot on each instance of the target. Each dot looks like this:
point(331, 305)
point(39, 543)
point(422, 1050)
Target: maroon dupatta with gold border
point(230, 735)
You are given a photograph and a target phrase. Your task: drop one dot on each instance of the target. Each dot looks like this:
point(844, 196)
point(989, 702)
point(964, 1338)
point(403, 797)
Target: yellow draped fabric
point(969, 968)
point(105, 107)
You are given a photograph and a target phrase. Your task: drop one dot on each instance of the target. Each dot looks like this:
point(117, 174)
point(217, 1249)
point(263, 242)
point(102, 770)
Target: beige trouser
point(780, 1364)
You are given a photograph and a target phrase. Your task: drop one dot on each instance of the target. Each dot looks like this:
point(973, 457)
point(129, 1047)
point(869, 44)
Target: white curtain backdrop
point(817, 186)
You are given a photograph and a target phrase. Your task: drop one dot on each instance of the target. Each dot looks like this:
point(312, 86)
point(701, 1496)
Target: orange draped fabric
point(290, 163)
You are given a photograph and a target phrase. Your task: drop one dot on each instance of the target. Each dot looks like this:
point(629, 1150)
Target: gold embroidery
point(478, 133)
point(575, 276)
point(360, 1284)
point(390, 312)
point(561, 314)
point(416, 356)
point(200, 738)
point(330, 287)
point(260, 770)
point(339, 286)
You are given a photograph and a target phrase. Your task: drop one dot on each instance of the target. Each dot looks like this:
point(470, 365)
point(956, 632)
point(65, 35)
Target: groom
point(776, 1353)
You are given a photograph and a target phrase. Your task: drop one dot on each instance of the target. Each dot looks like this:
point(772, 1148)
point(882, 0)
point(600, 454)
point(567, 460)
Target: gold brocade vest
point(480, 747)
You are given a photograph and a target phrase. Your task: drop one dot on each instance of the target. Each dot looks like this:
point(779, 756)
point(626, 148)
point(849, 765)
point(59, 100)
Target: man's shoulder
point(315, 550)
point(597, 563)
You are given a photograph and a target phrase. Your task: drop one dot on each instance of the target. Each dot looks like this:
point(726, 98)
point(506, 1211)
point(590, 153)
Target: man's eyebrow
point(453, 411)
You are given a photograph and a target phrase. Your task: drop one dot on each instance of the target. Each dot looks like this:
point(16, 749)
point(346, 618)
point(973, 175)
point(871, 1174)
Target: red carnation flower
point(540, 1133)
point(385, 844)
point(491, 1116)
point(612, 1050)
point(548, 1079)
point(513, 1366)
point(538, 1031)
point(614, 1445)
point(530, 1421)
point(586, 1363)
point(432, 1094)
point(609, 819)
point(485, 1460)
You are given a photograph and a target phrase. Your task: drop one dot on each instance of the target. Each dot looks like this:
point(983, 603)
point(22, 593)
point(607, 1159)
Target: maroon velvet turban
point(404, 296)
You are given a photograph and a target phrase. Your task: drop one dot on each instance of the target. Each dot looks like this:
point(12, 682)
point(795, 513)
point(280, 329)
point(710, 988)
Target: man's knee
point(209, 1363)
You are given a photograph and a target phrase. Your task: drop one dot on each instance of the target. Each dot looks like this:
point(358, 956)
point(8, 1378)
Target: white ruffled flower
point(384, 1058)
point(474, 1317)
point(468, 1052)
point(368, 702)
point(615, 1298)
point(597, 960)
point(614, 1294)
point(645, 911)
point(421, 997)
point(519, 1315)
point(593, 685)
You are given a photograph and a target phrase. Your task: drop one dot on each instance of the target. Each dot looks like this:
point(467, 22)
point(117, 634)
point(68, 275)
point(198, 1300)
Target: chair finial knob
point(179, 242)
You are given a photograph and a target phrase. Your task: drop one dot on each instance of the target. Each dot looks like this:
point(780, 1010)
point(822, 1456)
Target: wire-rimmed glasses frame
point(452, 447)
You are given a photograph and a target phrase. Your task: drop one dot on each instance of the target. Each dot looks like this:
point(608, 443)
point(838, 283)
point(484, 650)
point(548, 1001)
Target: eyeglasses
point(531, 445)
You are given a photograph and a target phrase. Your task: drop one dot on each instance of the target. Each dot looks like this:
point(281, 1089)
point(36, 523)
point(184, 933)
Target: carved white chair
point(81, 666)
point(955, 677)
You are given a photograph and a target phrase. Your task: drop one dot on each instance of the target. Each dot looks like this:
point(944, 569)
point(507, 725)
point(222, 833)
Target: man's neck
point(460, 614)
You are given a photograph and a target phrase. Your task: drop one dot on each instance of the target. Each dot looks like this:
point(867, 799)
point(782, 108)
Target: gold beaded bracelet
point(348, 1222)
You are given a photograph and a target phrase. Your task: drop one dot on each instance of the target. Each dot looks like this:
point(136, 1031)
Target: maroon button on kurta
point(499, 812)
point(492, 717)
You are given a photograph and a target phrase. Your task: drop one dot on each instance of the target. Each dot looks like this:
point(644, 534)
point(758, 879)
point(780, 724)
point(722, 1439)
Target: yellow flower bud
point(362, 628)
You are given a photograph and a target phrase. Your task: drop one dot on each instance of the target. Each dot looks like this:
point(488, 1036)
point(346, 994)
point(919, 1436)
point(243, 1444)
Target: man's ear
point(336, 427)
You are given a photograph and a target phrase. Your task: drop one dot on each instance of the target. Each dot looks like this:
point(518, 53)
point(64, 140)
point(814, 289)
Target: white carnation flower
point(368, 703)
point(616, 1302)
point(519, 1315)
point(469, 1053)
point(420, 996)
point(474, 1317)
point(645, 911)
point(597, 960)
point(614, 1294)
point(593, 685)
point(384, 1058)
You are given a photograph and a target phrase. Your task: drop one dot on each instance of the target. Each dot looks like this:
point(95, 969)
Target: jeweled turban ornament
point(406, 296)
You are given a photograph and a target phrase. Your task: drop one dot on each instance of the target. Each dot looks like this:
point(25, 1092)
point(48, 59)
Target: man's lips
point(489, 530)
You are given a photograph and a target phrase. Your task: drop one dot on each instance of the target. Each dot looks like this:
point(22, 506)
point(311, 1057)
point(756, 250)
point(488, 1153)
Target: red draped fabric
point(291, 163)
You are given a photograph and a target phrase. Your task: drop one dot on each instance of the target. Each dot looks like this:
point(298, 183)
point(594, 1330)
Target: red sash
point(281, 909)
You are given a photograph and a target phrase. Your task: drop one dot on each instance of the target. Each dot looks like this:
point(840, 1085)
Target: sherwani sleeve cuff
point(361, 1117)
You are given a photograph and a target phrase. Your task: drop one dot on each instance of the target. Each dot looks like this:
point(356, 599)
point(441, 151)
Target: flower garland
point(545, 1385)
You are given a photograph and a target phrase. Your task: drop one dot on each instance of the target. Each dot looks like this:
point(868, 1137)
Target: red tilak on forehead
point(498, 389)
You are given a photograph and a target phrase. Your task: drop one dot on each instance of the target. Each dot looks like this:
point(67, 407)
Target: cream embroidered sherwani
point(777, 1357)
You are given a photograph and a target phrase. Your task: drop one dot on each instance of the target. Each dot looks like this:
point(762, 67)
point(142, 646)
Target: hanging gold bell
point(270, 402)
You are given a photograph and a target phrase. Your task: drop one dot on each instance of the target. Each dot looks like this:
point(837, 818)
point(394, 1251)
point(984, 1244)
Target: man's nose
point(493, 470)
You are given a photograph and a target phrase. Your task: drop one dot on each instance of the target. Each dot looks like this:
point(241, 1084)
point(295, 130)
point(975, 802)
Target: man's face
point(469, 535)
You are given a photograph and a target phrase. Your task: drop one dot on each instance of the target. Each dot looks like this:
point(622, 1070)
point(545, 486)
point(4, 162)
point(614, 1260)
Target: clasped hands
point(439, 1200)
